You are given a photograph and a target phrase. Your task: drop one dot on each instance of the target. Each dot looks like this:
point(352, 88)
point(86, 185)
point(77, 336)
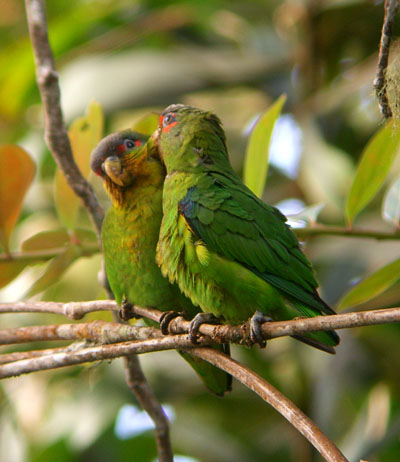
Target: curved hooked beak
point(112, 167)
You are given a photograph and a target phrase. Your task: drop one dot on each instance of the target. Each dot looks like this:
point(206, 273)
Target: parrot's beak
point(156, 140)
point(112, 167)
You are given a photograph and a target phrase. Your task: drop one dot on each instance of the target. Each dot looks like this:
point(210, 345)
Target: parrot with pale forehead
point(230, 252)
point(133, 177)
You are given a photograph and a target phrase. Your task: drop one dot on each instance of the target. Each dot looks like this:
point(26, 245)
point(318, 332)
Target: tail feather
point(215, 379)
point(323, 340)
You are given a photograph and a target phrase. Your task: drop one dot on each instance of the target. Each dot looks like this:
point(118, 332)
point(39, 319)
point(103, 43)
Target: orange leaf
point(17, 170)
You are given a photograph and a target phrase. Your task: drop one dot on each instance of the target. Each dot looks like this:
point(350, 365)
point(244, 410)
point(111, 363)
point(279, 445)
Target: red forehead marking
point(138, 143)
point(121, 148)
point(168, 127)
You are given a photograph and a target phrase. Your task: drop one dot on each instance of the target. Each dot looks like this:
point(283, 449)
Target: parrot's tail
point(215, 379)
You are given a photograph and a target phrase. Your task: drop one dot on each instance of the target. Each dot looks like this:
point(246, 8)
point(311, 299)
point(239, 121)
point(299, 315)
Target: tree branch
point(215, 333)
point(391, 7)
point(275, 399)
point(138, 384)
point(319, 229)
point(249, 378)
point(56, 133)
point(96, 331)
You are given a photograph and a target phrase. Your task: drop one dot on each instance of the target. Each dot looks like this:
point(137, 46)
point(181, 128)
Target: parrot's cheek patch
point(168, 127)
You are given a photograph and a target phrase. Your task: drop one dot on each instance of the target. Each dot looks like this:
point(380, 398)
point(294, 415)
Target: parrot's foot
point(126, 312)
point(256, 321)
point(197, 321)
point(166, 318)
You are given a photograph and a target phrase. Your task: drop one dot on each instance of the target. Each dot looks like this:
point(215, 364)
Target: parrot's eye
point(129, 144)
point(168, 119)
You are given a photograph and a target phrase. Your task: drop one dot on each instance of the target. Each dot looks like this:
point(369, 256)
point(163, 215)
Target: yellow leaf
point(84, 134)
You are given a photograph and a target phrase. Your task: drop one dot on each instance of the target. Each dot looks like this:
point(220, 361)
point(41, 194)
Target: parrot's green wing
point(234, 223)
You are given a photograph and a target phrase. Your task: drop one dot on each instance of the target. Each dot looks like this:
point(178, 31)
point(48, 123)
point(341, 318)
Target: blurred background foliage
point(235, 58)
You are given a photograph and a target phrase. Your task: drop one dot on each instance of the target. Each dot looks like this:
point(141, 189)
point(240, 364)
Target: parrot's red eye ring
point(168, 119)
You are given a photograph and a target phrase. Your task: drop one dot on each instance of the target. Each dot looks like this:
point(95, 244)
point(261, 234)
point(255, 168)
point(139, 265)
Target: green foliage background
point(236, 58)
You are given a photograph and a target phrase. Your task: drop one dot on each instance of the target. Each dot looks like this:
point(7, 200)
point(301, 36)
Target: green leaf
point(54, 270)
point(46, 240)
point(147, 124)
point(17, 170)
point(256, 159)
point(373, 168)
point(84, 236)
point(84, 134)
point(391, 204)
point(373, 285)
point(9, 270)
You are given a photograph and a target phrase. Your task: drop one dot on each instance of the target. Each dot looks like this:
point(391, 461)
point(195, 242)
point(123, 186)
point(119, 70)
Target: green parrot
point(231, 253)
point(133, 177)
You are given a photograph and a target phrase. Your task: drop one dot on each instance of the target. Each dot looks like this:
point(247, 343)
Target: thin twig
point(320, 230)
point(275, 399)
point(19, 355)
point(138, 384)
point(72, 310)
point(56, 133)
point(391, 7)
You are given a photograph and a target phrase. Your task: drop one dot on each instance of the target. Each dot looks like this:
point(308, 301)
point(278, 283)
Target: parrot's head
point(189, 138)
point(111, 158)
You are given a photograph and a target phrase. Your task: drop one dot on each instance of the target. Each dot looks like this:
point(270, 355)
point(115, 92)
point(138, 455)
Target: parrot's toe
point(197, 321)
point(166, 318)
point(256, 321)
point(126, 312)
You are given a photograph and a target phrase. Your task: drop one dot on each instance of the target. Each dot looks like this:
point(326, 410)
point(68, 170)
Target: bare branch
point(96, 353)
point(96, 331)
point(217, 333)
point(243, 374)
point(275, 399)
point(72, 310)
point(391, 7)
point(56, 133)
point(138, 384)
point(17, 356)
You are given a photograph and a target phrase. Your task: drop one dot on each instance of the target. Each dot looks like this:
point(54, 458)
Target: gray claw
point(256, 321)
point(166, 318)
point(197, 321)
point(126, 312)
